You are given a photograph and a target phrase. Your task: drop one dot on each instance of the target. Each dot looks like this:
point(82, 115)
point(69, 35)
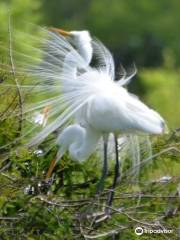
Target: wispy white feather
point(70, 92)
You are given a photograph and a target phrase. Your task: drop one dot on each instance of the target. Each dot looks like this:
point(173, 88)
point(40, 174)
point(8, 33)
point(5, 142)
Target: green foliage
point(31, 208)
point(21, 13)
point(163, 92)
point(146, 32)
point(136, 31)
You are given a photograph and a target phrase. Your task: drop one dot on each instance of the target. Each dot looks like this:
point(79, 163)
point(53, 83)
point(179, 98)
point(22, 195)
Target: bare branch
point(14, 75)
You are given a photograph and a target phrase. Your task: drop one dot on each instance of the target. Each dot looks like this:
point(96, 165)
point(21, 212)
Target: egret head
point(75, 37)
point(81, 36)
point(81, 40)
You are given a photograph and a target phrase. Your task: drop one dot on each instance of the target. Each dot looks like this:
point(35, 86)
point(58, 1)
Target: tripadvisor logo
point(139, 231)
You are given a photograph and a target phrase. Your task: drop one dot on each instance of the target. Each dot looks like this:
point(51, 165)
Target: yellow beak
point(61, 31)
point(50, 170)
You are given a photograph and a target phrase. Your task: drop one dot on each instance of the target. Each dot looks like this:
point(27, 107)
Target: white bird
point(88, 95)
point(73, 137)
point(110, 108)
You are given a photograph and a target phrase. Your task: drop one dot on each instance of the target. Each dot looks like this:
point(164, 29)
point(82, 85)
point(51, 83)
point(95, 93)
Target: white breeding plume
point(75, 91)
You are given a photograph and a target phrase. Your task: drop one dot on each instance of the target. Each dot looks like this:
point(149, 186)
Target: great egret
point(83, 43)
point(89, 95)
point(82, 141)
point(111, 108)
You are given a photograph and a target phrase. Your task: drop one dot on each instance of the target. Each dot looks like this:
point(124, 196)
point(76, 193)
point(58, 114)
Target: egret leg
point(116, 175)
point(100, 185)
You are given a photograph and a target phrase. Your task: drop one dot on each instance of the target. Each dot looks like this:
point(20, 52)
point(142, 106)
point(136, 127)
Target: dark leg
point(116, 175)
point(100, 185)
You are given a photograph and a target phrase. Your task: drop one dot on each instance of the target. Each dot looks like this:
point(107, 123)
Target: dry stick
point(4, 168)
point(26, 95)
point(15, 79)
point(8, 218)
point(41, 198)
point(130, 217)
point(124, 196)
point(112, 210)
point(112, 232)
point(8, 177)
point(105, 234)
point(8, 107)
point(11, 104)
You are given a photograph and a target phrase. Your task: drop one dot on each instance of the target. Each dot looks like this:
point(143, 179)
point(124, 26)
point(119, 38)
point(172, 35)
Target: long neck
point(71, 63)
point(84, 143)
point(86, 51)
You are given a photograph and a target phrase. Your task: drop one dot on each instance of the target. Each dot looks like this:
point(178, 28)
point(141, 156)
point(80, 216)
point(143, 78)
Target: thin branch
point(130, 217)
point(9, 177)
point(131, 171)
point(8, 218)
point(105, 234)
point(4, 168)
point(15, 79)
point(59, 204)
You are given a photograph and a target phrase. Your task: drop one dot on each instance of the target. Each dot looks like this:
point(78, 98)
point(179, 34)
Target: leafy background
point(145, 32)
